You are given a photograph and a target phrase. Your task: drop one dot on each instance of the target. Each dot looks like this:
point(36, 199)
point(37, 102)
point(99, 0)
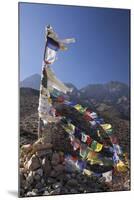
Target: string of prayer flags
point(101, 157)
point(89, 153)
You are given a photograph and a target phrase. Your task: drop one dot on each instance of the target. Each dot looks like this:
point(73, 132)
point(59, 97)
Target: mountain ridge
point(107, 97)
point(36, 78)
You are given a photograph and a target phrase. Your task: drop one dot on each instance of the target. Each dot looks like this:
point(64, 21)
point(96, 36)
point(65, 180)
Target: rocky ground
point(42, 164)
point(43, 170)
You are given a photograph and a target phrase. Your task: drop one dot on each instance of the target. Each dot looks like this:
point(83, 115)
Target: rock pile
point(43, 172)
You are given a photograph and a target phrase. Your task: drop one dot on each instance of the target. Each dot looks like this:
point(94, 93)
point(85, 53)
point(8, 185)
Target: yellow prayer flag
point(98, 147)
point(106, 126)
point(121, 167)
point(49, 100)
point(87, 172)
point(91, 155)
point(78, 107)
point(71, 127)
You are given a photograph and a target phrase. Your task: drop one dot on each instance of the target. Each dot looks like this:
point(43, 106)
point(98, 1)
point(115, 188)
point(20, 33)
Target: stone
point(39, 186)
point(33, 163)
point(35, 190)
point(41, 190)
point(73, 175)
point(67, 177)
point(21, 162)
point(55, 159)
point(81, 189)
point(48, 188)
point(46, 166)
point(53, 174)
point(37, 177)
point(22, 180)
point(60, 177)
point(64, 191)
point(26, 148)
point(27, 185)
point(21, 175)
point(30, 178)
point(38, 146)
point(43, 153)
point(55, 192)
point(84, 181)
point(61, 154)
point(102, 180)
point(30, 194)
point(79, 178)
point(73, 191)
point(56, 185)
point(42, 181)
point(127, 185)
point(40, 172)
point(46, 193)
point(21, 192)
point(51, 180)
point(72, 183)
point(59, 168)
point(23, 170)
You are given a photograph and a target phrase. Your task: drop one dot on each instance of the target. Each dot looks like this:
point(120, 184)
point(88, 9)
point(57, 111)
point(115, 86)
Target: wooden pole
point(40, 123)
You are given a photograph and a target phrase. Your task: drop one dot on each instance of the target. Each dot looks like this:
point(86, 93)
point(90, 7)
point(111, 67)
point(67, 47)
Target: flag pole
point(40, 123)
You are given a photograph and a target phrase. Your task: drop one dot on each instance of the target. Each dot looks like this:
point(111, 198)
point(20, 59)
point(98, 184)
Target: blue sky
point(101, 51)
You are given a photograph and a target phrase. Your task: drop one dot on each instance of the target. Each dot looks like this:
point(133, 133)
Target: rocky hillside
point(112, 96)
